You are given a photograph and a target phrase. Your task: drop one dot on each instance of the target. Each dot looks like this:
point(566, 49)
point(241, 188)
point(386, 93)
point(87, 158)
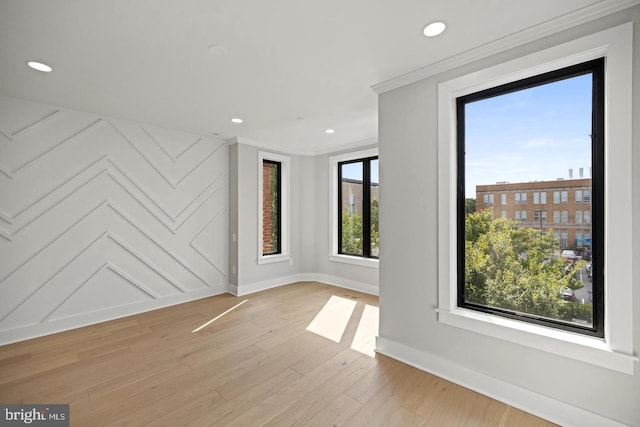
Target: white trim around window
point(333, 209)
point(285, 165)
point(615, 351)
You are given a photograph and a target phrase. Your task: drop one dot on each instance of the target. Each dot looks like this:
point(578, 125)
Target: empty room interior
point(357, 213)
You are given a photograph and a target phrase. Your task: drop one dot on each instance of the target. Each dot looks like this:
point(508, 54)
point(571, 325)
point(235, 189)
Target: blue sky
point(536, 134)
point(354, 171)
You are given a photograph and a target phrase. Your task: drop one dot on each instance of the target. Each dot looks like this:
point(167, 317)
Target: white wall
point(252, 276)
point(102, 218)
point(309, 228)
point(564, 390)
point(357, 277)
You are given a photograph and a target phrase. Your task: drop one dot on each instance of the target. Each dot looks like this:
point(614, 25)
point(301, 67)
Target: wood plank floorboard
point(256, 365)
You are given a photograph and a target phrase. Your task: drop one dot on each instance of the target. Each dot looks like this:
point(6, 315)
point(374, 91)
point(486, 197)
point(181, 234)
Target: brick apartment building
point(352, 194)
point(562, 205)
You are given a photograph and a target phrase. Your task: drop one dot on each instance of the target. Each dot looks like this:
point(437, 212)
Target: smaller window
point(503, 214)
point(271, 207)
point(485, 199)
point(587, 196)
point(578, 217)
point(564, 217)
point(523, 198)
point(564, 197)
point(556, 217)
point(523, 216)
point(556, 197)
point(579, 242)
point(587, 217)
point(578, 196)
point(543, 217)
point(543, 198)
point(503, 199)
point(491, 199)
point(273, 215)
point(517, 216)
point(517, 198)
point(536, 198)
point(564, 235)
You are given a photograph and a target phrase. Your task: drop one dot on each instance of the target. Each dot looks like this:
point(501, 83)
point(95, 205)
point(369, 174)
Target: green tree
point(469, 206)
point(514, 268)
point(351, 232)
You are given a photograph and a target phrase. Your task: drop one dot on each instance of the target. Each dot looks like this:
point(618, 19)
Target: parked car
point(569, 255)
point(568, 295)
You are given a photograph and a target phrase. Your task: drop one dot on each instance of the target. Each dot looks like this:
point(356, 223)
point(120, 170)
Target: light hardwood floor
point(255, 365)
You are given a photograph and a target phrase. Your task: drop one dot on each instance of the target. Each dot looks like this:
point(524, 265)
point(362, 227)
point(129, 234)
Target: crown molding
point(561, 23)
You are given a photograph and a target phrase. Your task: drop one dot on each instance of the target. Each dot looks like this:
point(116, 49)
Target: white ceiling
point(294, 67)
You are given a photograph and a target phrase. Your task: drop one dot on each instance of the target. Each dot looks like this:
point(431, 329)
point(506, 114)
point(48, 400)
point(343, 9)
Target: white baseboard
point(23, 333)
point(348, 284)
point(249, 288)
point(535, 403)
point(303, 277)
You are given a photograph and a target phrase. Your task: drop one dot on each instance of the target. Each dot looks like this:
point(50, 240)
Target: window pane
point(270, 207)
point(352, 193)
point(375, 201)
point(524, 141)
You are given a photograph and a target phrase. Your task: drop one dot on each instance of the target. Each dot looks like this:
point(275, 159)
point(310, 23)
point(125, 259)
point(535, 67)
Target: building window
point(587, 196)
point(354, 208)
point(540, 217)
point(579, 243)
point(564, 197)
point(503, 199)
point(578, 196)
point(487, 199)
point(273, 208)
point(536, 198)
point(528, 287)
point(543, 198)
point(578, 217)
point(503, 214)
point(587, 217)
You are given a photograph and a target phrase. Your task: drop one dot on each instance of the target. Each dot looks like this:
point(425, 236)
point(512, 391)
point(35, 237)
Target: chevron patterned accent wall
point(103, 218)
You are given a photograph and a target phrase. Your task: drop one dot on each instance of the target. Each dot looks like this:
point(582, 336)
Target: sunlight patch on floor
point(332, 320)
point(364, 340)
point(204, 325)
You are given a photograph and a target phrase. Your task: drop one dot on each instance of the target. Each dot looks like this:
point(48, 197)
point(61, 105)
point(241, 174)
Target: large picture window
point(358, 202)
point(529, 136)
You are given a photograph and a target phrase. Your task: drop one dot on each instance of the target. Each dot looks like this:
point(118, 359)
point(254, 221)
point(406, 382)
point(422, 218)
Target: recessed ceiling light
point(434, 29)
point(39, 66)
point(330, 131)
point(236, 120)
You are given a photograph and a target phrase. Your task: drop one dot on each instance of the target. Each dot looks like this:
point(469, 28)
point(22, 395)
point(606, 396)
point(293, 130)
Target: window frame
point(334, 217)
point(614, 351)
point(594, 67)
point(284, 255)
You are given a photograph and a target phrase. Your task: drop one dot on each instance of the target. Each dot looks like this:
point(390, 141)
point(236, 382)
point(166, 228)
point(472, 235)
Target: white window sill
point(563, 343)
point(270, 259)
point(355, 260)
